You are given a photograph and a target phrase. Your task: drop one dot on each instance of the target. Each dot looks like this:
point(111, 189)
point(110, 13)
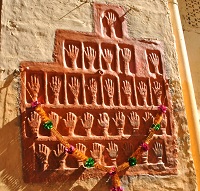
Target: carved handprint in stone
point(74, 87)
point(113, 152)
point(90, 54)
point(142, 88)
point(134, 121)
point(54, 117)
point(158, 92)
point(145, 157)
point(109, 87)
point(104, 122)
point(127, 91)
point(34, 87)
point(72, 52)
point(154, 59)
point(43, 155)
point(148, 116)
point(108, 57)
point(148, 119)
point(111, 19)
point(88, 123)
point(70, 123)
point(93, 90)
point(128, 149)
point(97, 151)
point(34, 123)
point(158, 150)
point(61, 154)
point(55, 87)
point(119, 122)
point(126, 55)
point(82, 148)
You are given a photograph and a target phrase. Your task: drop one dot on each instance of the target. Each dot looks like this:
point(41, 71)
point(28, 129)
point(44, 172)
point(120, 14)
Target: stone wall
point(27, 34)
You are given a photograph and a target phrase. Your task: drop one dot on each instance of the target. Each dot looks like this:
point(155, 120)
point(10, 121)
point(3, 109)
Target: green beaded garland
point(48, 125)
point(89, 163)
point(156, 127)
point(132, 161)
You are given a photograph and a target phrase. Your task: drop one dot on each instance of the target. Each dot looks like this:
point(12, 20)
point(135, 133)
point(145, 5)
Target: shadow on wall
point(11, 164)
point(103, 184)
point(10, 155)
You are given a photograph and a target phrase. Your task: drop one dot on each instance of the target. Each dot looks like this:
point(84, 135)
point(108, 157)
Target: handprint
point(108, 57)
point(54, 117)
point(43, 155)
point(55, 87)
point(88, 123)
point(90, 54)
point(82, 148)
point(158, 150)
point(72, 52)
point(145, 157)
point(111, 19)
point(119, 122)
point(147, 117)
point(158, 92)
point(109, 87)
point(34, 86)
point(61, 154)
point(154, 59)
point(93, 90)
point(128, 149)
point(134, 121)
point(127, 91)
point(70, 122)
point(143, 92)
point(34, 123)
point(126, 54)
point(74, 87)
point(97, 151)
point(104, 122)
point(113, 152)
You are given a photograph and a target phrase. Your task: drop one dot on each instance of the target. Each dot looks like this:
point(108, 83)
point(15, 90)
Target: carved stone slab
point(101, 93)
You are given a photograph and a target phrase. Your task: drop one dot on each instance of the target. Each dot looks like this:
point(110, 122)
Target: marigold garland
point(116, 183)
point(89, 162)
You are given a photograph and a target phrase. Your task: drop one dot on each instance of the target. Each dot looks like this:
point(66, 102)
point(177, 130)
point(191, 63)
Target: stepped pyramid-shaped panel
point(101, 93)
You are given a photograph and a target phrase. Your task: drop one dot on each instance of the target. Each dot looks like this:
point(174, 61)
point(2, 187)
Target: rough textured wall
point(190, 18)
point(28, 29)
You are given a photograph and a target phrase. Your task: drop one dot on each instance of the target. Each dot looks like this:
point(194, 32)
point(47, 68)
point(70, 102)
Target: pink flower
point(112, 171)
point(145, 146)
point(162, 108)
point(35, 104)
point(70, 150)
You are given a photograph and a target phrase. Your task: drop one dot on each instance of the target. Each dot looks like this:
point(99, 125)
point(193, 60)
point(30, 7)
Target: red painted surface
point(101, 93)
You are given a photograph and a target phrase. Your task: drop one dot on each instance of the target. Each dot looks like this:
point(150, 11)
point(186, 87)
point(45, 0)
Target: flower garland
point(88, 161)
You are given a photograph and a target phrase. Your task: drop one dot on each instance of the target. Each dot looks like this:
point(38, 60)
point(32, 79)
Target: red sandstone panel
point(101, 94)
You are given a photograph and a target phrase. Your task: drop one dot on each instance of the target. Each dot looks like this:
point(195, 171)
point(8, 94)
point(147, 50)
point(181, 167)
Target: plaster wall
point(190, 18)
point(27, 34)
